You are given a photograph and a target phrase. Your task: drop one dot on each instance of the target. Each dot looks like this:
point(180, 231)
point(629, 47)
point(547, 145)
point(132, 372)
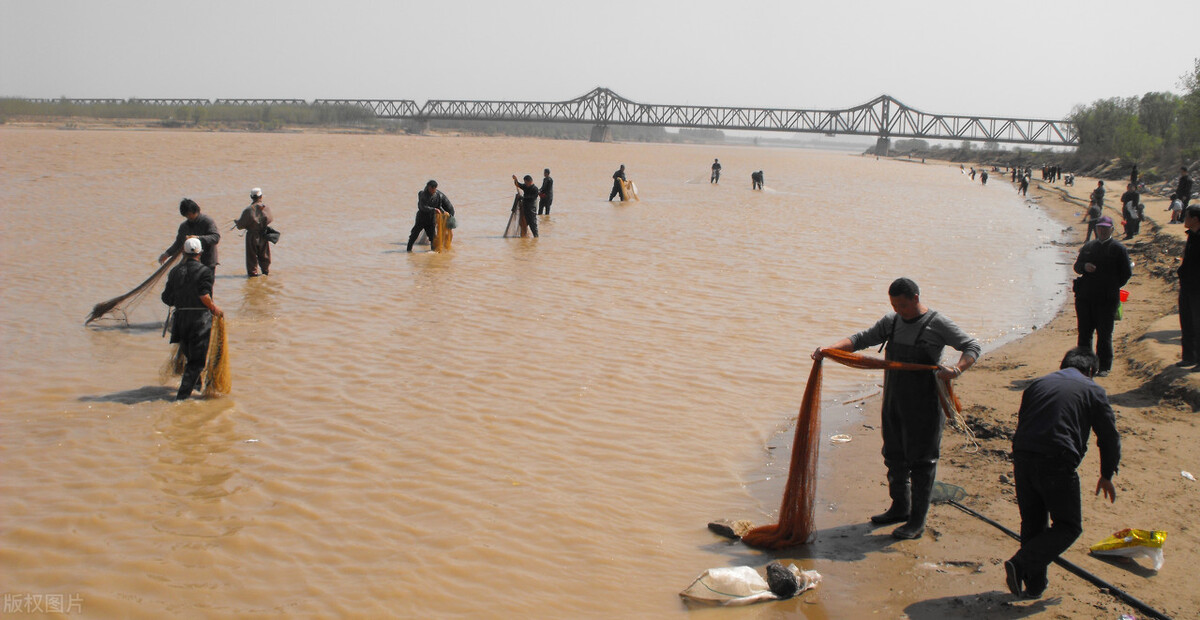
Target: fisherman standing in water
point(198, 226)
point(254, 220)
point(618, 178)
point(529, 199)
point(429, 201)
point(189, 291)
point(716, 172)
point(756, 180)
point(912, 416)
point(545, 193)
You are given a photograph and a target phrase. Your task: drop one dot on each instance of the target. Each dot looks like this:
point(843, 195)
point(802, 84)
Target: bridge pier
point(418, 126)
point(883, 146)
point(601, 133)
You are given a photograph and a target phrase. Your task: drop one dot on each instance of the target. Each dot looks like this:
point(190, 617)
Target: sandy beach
point(956, 570)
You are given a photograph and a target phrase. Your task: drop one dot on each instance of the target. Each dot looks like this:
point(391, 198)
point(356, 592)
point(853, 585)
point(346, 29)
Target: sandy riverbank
point(956, 569)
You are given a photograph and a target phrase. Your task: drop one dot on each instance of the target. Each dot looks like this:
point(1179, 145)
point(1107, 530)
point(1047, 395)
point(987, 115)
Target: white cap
point(192, 246)
point(256, 192)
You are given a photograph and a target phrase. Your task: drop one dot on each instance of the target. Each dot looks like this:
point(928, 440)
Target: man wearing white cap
point(189, 290)
point(1103, 268)
point(254, 220)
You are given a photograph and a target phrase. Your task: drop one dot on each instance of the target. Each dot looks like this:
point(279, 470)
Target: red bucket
point(1124, 295)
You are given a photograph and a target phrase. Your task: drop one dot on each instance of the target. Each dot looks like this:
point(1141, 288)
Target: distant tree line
point(1157, 132)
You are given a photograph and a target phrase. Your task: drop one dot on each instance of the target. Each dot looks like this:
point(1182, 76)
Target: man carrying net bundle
point(911, 416)
point(189, 290)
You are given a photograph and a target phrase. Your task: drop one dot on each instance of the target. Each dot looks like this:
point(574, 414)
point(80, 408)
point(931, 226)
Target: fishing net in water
point(217, 380)
point(796, 522)
point(120, 306)
point(516, 220)
point(629, 191)
point(442, 232)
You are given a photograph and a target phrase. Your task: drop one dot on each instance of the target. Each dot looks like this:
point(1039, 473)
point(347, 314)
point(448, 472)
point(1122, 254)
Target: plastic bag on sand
point(742, 585)
point(1132, 543)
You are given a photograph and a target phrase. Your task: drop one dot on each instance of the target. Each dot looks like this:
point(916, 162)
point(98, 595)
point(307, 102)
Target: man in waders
point(429, 201)
point(189, 290)
point(618, 177)
point(912, 416)
point(529, 197)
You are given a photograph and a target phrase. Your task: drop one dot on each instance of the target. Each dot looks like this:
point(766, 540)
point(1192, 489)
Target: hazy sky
point(1029, 59)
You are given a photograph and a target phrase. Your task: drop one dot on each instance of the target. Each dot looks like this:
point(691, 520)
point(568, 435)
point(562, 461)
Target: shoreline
point(956, 570)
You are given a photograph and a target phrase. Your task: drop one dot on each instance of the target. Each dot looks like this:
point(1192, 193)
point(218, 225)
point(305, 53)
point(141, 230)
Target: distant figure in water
point(545, 193)
point(972, 173)
point(189, 291)
point(618, 176)
point(429, 201)
point(254, 220)
point(983, 177)
point(756, 180)
point(716, 172)
point(529, 196)
point(912, 415)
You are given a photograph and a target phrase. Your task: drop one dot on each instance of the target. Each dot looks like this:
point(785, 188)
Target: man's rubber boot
point(898, 489)
point(922, 489)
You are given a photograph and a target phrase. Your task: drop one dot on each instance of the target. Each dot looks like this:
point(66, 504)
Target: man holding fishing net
point(912, 414)
point(430, 202)
point(199, 226)
point(189, 290)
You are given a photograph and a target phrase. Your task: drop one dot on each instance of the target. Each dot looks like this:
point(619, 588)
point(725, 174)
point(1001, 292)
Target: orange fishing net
point(217, 379)
point(796, 523)
point(443, 233)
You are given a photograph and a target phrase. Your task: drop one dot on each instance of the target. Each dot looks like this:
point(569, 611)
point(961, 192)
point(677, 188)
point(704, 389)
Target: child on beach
point(1176, 209)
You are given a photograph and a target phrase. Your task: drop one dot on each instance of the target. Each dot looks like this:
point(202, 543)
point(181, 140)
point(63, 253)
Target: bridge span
point(884, 117)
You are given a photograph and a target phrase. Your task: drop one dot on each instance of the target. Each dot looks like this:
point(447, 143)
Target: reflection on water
point(518, 427)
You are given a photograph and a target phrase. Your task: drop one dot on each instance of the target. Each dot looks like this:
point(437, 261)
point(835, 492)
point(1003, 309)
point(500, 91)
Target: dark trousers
point(1189, 324)
point(258, 254)
point(426, 225)
point(544, 205)
point(1091, 231)
point(195, 327)
point(1097, 315)
point(616, 191)
point(1132, 226)
point(1048, 499)
point(530, 218)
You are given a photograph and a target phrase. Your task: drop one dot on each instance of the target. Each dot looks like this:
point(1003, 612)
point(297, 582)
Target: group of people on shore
point(1058, 412)
point(189, 290)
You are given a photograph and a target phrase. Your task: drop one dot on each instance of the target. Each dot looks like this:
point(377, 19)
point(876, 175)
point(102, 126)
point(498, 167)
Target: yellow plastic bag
point(1134, 543)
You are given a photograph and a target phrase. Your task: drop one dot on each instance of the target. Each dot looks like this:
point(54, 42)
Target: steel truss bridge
point(884, 117)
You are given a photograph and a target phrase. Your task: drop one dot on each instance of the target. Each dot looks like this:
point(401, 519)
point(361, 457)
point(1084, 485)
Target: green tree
point(1156, 113)
point(1188, 120)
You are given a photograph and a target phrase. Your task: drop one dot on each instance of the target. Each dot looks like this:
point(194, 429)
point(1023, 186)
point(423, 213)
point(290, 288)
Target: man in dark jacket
point(1103, 265)
point(1130, 211)
point(618, 177)
point(1184, 189)
point(1189, 289)
point(529, 197)
point(254, 220)
point(546, 193)
point(429, 201)
point(189, 291)
point(199, 226)
point(1058, 412)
